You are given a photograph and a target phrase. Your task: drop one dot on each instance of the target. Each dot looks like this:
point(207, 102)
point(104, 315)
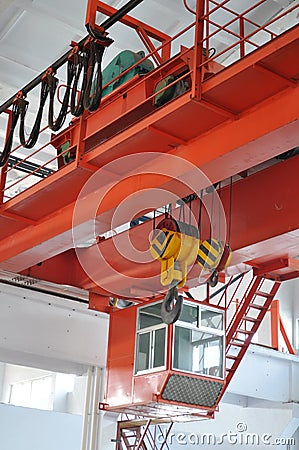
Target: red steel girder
point(265, 234)
point(216, 153)
point(255, 130)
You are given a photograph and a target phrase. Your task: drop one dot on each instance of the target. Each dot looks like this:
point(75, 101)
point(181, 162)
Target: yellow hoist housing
point(177, 246)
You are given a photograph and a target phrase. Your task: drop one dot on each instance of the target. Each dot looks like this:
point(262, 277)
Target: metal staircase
point(141, 434)
point(245, 322)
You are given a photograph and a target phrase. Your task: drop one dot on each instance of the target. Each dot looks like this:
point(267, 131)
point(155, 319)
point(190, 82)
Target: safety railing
point(222, 33)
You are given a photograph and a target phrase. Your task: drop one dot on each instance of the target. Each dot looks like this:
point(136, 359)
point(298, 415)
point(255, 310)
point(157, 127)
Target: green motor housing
point(123, 61)
point(169, 93)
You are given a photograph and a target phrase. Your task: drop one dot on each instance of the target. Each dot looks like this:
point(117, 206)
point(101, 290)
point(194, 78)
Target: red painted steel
point(142, 393)
point(247, 113)
point(253, 241)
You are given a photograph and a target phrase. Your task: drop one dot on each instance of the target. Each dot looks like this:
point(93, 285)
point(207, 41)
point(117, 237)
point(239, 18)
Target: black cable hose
point(8, 143)
point(55, 125)
point(80, 62)
point(23, 105)
point(63, 59)
point(93, 91)
point(227, 285)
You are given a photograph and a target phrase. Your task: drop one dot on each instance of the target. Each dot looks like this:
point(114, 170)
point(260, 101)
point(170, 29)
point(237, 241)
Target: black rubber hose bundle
point(93, 90)
point(23, 106)
point(8, 143)
point(80, 62)
point(90, 61)
point(55, 125)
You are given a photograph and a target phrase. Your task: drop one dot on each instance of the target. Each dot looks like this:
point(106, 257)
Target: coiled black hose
point(8, 144)
point(92, 94)
point(55, 125)
point(23, 106)
point(80, 62)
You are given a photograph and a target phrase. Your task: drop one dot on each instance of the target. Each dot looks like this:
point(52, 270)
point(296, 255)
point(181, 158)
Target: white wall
point(295, 285)
point(49, 332)
point(256, 420)
point(32, 429)
point(75, 400)
point(2, 374)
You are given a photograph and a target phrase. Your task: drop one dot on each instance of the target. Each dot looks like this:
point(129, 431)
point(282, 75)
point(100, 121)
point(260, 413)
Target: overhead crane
point(157, 137)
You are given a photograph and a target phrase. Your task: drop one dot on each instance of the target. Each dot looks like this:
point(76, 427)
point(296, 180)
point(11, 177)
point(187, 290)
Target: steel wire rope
point(23, 106)
point(212, 212)
point(230, 211)
point(219, 210)
point(200, 213)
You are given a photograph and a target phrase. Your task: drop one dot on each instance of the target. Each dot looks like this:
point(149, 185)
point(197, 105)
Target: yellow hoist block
point(213, 254)
point(210, 253)
point(175, 244)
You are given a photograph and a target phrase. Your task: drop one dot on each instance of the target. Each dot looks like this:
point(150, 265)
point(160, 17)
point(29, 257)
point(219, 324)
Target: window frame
point(200, 328)
point(30, 383)
point(152, 330)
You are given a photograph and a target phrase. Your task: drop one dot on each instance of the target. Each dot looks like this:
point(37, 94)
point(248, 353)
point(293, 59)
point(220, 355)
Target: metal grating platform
point(193, 391)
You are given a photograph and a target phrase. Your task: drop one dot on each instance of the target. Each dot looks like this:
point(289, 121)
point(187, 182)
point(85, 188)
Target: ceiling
point(35, 33)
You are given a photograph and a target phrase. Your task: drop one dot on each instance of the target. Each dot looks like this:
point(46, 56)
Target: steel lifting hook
point(171, 306)
point(213, 280)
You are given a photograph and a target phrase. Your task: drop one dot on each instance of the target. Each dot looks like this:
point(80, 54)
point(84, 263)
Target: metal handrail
point(206, 60)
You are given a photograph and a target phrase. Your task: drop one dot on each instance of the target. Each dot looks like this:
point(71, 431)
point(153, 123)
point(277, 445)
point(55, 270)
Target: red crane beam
point(247, 114)
point(265, 228)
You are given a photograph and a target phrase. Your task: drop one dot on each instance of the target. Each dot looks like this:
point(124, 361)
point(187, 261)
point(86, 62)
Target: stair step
point(263, 294)
point(239, 330)
point(251, 319)
point(260, 307)
point(232, 357)
point(237, 344)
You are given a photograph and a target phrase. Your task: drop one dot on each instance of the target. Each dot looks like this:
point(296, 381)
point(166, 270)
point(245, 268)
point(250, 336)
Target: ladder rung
point(263, 294)
point(239, 330)
point(232, 357)
point(237, 344)
point(251, 319)
point(260, 307)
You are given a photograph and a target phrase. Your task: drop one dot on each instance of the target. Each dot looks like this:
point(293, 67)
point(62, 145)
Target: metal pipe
point(95, 409)
point(63, 59)
point(226, 286)
point(90, 411)
point(86, 409)
point(119, 14)
point(100, 412)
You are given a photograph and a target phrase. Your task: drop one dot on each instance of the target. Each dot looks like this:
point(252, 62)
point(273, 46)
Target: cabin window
point(198, 343)
point(150, 340)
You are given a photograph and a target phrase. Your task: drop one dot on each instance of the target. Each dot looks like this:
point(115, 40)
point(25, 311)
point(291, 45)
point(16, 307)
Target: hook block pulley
point(175, 245)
